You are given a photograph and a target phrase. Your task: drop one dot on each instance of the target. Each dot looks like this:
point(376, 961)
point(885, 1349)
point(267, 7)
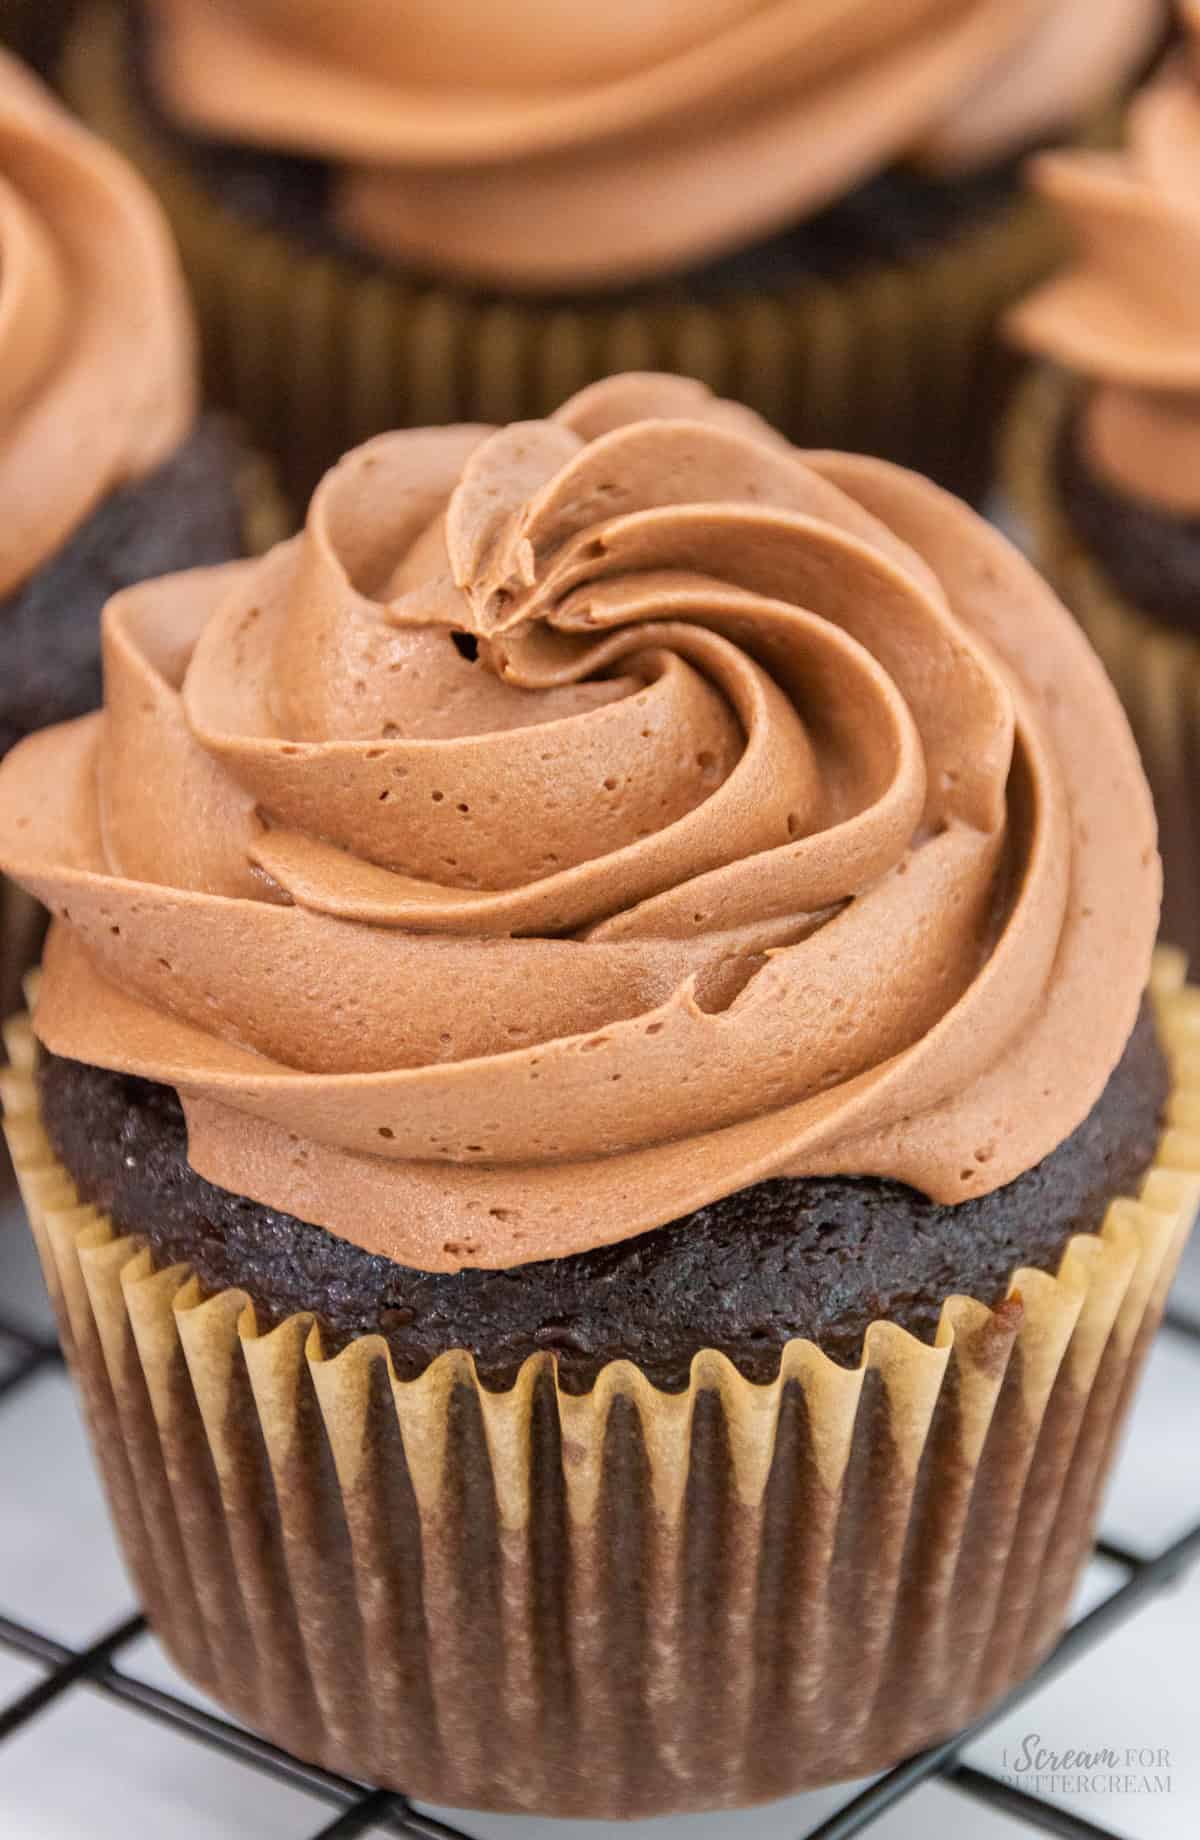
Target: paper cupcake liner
point(316, 350)
point(628, 1602)
point(1156, 670)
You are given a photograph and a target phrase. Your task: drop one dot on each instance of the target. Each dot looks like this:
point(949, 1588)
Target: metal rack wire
point(356, 1809)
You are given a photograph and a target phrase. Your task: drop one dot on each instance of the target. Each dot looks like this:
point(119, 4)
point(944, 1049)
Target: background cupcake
point(396, 213)
point(106, 475)
point(1105, 445)
point(625, 988)
point(35, 29)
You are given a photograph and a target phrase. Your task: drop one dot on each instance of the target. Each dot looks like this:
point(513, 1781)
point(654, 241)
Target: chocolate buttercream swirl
point(1126, 314)
point(584, 819)
point(96, 362)
point(545, 147)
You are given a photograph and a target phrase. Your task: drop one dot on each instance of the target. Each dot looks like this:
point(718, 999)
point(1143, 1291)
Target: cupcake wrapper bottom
point(628, 1602)
point(1156, 671)
point(316, 350)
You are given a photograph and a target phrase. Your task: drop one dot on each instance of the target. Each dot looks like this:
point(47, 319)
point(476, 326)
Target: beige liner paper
point(627, 1602)
point(1156, 671)
point(316, 351)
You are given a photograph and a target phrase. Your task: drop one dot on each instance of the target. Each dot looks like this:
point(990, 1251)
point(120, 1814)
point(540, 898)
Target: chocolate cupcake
point(397, 213)
point(608, 1188)
point(106, 474)
point(1104, 449)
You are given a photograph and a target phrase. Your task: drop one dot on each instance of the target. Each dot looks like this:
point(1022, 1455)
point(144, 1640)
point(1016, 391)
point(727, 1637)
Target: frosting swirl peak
point(96, 355)
point(584, 819)
point(546, 147)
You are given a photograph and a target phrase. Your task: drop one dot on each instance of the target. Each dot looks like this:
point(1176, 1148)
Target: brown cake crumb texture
point(795, 1257)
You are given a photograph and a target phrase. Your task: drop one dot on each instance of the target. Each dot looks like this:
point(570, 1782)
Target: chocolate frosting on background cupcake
point(543, 147)
point(1123, 322)
point(1104, 452)
point(97, 360)
point(395, 215)
point(1125, 315)
point(106, 475)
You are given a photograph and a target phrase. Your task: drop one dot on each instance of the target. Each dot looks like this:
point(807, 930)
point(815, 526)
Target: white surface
point(90, 1769)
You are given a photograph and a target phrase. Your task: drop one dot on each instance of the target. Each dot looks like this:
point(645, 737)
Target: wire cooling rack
point(355, 1809)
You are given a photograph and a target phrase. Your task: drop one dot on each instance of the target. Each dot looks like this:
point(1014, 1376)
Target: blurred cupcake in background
point(106, 474)
point(1104, 447)
point(35, 29)
point(398, 213)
